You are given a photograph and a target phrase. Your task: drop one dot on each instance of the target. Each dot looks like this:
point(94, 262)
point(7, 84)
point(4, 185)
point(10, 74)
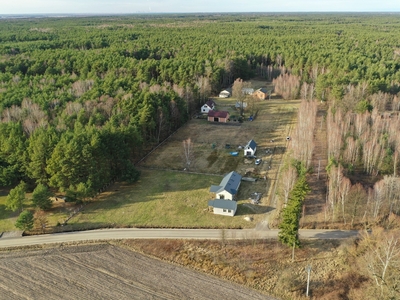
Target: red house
point(218, 116)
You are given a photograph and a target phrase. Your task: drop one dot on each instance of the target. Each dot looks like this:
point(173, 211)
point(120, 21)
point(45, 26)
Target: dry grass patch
point(265, 265)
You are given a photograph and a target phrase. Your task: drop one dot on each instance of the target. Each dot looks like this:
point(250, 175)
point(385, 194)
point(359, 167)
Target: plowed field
point(106, 272)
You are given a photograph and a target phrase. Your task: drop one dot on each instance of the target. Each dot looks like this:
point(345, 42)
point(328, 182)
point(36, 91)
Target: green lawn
point(7, 218)
point(160, 199)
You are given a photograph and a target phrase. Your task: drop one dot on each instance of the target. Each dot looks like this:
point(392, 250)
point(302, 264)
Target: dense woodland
point(83, 99)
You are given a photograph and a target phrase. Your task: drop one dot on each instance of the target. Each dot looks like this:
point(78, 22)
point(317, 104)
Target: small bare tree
point(289, 177)
point(238, 92)
point(382, 260)
point(188, 153)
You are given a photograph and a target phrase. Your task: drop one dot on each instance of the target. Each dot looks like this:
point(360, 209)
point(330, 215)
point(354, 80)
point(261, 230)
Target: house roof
point(210, 103)
point(264, 90)
point(251, 144)
point(225, 204)
point(218, 114)
point(225, 92)
point(229, 183)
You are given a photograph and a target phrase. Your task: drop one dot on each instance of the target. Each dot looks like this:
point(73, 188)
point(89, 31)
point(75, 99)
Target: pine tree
point(289, 227)
point(25, 220)
point(16, 198)
point(41, 197)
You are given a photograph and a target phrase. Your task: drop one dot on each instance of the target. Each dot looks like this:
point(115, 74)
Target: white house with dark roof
point(223, 207)
point(250, 148)
point(209, 105)
point(228, 188)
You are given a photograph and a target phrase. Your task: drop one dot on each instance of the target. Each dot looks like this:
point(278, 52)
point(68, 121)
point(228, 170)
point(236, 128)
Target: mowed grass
point(159, 199)
point(7, 218)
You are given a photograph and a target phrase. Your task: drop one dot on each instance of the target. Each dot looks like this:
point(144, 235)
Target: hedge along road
point(152, 233)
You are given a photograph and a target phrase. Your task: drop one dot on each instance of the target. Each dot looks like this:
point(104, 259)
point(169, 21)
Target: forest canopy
point(83, 99)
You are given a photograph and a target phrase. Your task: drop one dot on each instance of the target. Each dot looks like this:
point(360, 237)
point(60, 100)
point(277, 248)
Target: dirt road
point(150, 233)
point(102, 271)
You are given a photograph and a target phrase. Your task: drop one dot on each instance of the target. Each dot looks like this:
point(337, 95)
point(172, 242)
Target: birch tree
point(382, 261)
point(188, 153)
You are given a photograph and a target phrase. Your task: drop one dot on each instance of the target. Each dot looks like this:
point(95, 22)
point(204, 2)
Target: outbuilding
point(218, 116)
point(250, 149)
point(223, 207)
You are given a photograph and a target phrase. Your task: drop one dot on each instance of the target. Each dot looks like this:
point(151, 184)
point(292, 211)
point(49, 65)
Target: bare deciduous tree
point(238, 92)
point(382, 260)
point(188, 153)
point(289, 176)
point(302, 142)
point(287, 85)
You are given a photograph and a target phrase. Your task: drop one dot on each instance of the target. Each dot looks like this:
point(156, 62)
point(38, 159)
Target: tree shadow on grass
point(252, 209)
point(7, 214)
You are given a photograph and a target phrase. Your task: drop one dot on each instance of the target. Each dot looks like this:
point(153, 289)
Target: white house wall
point(224, 195)
point(205, 109)
point(249, 151)
point(224, 212)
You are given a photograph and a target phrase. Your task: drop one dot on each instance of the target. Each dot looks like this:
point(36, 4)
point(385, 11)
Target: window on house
point(229, 210)
point(224, 210)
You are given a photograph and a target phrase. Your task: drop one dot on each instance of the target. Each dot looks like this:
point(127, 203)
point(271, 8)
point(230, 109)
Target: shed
point(250, 149)
point(218, 116)
point(223, 207)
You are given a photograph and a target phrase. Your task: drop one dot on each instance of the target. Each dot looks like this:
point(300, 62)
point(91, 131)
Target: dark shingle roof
point(210, 103)
point(264, 90)
point(225, 204)
point(251, 144)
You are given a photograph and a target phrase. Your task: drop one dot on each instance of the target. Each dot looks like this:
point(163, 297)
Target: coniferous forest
point(83, 99)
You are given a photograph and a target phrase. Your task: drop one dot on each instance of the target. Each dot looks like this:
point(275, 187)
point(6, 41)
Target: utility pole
point(308, 269)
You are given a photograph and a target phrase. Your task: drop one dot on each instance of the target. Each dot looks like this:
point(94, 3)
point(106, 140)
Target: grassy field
point(162, 199)
point(7, 218)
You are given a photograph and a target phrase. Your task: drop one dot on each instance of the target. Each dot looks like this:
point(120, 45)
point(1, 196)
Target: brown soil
point(102, 271)
point(182, 269)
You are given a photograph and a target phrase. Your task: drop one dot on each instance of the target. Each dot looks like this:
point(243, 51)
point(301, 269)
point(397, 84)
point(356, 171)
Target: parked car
point(258, 161)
